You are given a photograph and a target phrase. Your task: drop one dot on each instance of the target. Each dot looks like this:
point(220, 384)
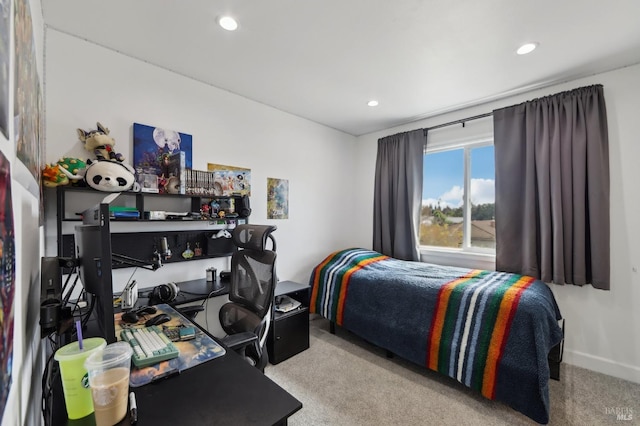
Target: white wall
point(602, 326)
point(86, 83)
point(23, 404)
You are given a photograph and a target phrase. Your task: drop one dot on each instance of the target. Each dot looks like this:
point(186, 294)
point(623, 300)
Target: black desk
point(222, 391)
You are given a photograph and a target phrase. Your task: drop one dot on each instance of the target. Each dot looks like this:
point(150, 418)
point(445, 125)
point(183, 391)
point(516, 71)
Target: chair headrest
point(253, 237)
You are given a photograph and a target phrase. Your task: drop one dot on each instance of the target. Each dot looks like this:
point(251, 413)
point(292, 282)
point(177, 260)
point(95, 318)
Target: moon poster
point(160, 157)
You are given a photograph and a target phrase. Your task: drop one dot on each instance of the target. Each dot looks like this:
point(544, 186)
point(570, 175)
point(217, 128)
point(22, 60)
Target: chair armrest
point(239, 340)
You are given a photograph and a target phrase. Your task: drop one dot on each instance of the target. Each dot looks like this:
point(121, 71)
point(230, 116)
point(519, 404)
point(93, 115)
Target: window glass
point(442, 199)
point(446, 221)
point(482, 198)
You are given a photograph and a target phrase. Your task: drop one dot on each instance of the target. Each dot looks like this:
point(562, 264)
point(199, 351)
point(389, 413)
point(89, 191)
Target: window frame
point(467, 255)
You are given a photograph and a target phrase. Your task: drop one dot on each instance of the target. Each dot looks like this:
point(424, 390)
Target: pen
point(133, 408)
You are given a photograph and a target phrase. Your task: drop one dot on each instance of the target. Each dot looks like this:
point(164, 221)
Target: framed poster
point(277, 198)
point(228, 180)
point(7, 281)
point(5, 52)
point(27, 105)
point(161, 153)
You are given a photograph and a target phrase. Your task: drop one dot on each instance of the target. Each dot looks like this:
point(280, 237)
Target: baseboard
point(602, 365)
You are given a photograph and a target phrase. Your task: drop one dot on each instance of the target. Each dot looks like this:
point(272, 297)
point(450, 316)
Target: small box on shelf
point(148, 183)
point(219, 246)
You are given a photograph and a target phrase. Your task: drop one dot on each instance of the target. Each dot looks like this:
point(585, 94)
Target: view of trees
point(478, 211)
point(443, 226)
point(441, 235)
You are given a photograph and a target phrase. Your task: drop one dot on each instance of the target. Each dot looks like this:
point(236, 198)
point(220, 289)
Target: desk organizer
point(219, 246)
point(142, 245)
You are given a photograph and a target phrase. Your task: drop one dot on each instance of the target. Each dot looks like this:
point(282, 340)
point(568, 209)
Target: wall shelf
point(139, 238)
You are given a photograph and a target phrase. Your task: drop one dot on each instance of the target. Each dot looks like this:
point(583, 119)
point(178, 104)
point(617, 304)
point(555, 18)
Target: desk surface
point(224, 390)
point(200, 289)
point(194, 290)
point(190, 291)
point(286, 287)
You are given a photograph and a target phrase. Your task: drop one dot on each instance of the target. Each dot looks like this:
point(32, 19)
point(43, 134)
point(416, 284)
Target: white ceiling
point(325, 59)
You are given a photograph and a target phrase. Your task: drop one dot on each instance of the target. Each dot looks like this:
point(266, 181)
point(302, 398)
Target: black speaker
point(165, 293)
point(50, 292)
point(243, 207)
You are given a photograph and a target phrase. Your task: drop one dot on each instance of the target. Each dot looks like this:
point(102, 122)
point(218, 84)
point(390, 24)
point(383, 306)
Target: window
point(458, 198)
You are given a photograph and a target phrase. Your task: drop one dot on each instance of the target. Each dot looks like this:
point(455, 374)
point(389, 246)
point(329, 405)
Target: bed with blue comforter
point(491, 331)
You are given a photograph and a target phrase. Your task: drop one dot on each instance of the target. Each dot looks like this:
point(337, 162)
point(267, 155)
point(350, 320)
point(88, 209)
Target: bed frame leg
point(555, 358)
point(554, 370)
point(332, 327)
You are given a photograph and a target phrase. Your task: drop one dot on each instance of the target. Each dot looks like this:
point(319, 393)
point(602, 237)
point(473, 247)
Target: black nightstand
point(289, 331)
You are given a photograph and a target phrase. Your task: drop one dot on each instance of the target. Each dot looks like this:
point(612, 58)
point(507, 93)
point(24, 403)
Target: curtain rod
point(463, 120)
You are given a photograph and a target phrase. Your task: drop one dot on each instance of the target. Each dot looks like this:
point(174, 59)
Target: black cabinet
point(289, 331)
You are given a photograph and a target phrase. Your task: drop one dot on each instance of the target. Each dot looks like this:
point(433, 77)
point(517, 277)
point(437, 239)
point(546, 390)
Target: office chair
point(247, 315)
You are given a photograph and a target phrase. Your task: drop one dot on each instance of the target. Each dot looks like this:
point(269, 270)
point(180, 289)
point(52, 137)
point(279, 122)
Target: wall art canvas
point(27, 106)
point(7, 281)
point(228, 180)
point(5, 52)
point(277, 198)
point(162, 153)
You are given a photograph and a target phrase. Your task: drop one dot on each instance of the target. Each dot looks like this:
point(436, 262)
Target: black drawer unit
point(289, 331)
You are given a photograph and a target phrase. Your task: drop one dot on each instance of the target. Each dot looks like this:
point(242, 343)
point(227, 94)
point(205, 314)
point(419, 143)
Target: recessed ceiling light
point(526, 48)
point(372, 103)
point(228, 23)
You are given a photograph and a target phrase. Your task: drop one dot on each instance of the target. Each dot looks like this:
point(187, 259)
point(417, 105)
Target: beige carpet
point(342, 380)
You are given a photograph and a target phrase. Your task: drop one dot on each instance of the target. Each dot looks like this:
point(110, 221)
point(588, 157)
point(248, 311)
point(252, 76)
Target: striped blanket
point(490, 331)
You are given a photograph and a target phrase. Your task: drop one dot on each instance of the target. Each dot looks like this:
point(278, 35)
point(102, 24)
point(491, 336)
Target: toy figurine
point(100, 143)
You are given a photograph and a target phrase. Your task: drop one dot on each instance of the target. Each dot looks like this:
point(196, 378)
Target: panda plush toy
point(110, 176)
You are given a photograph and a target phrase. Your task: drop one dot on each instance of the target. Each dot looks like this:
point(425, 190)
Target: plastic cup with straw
point(75, 381)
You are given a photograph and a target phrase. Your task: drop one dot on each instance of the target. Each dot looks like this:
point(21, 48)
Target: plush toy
point(66, 170)
point(52, 176)
point(100, 143)
point(110, 176)
point(73, 168)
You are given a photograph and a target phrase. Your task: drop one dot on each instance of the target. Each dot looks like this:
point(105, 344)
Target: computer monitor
point(93, 250)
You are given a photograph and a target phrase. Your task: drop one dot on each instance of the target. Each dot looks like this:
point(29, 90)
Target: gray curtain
point(552, 188)
point(398, 194)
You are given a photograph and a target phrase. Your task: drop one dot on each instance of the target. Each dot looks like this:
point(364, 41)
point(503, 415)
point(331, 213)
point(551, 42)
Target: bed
point(490, 331)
